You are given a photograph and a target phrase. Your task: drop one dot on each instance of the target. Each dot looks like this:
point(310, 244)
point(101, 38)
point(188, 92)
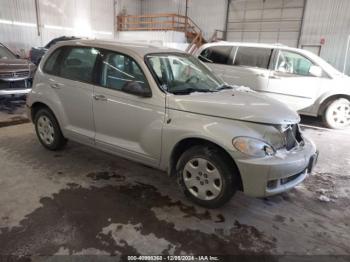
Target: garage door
point(265, 21)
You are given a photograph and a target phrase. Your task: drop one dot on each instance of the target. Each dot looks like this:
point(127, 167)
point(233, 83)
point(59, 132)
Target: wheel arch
point(186, 143)
point(329, 99)
point(36, 106)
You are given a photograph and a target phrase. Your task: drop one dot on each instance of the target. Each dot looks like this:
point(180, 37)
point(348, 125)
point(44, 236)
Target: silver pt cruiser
point(166, 109)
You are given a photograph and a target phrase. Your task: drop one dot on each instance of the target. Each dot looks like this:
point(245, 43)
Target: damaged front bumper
point(273, 175)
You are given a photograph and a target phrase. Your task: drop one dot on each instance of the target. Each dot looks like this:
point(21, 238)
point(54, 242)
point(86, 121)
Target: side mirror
point(315, 71)
point(135, 88)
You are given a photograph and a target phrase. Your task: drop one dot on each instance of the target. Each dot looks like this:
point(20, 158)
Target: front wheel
point(206, 177)
point(337, 114)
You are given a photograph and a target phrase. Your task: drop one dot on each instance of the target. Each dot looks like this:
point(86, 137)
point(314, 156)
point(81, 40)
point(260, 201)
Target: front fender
point(219, 131)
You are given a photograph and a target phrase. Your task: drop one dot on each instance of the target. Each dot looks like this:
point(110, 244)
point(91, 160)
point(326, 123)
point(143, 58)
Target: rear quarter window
point(51, 65)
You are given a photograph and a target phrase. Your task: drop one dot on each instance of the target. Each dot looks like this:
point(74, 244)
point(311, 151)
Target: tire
point(48, 130)
point(205, 176)
point(337, 114)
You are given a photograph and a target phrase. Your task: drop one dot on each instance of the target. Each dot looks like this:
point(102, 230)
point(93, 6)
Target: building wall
point(327, 27)
point(209, 15)
point(265, 21)
point(86, 18)
point(129, 7)
point(171, 39)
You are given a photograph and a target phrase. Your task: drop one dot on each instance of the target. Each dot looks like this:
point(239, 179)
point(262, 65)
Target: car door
point(291, 81)
point(126, 123)
point(69, 73)
point(250, 68)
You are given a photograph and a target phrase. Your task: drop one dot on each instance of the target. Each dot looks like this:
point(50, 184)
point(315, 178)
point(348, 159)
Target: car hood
point(12, 65)
point(236, 105)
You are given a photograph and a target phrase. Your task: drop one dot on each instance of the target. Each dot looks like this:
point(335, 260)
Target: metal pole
point(186, 16)
point(226, 20)
point(302, 24)
point(346, 55)
point(37, 15)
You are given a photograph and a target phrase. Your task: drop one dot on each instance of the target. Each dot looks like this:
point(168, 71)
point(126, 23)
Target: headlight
point(253, 147)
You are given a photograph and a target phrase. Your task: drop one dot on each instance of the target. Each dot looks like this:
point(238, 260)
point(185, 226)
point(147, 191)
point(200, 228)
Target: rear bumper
point(273, 175)
point(15, 91)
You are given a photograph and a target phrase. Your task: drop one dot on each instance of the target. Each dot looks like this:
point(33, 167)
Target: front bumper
point(17, 87)
point(273, 175)
point(15, 91)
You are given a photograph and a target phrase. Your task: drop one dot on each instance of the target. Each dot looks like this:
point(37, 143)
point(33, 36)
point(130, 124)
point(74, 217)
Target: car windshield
point(5, 53)
point(183, 74)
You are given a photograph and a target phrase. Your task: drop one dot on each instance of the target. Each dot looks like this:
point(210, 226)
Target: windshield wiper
point(191, 90)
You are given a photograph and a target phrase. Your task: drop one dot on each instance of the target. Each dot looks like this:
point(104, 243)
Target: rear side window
point(216, 54)
point(78, 64)
point(75, 63)
point(253, 57)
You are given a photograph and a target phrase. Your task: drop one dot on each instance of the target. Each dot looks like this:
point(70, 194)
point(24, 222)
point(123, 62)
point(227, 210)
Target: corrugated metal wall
point(18, 24)
point(90, 18)
point(265, 21)
point(328, 20)
point(208, 14)
point(130, 7)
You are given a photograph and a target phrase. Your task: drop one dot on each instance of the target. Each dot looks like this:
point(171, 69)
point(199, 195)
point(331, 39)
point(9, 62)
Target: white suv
point(296, 77)
point(164, 108)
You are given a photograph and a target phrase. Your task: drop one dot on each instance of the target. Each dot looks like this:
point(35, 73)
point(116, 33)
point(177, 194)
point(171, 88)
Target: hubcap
point(340, 114)
point(45, 130)
point(202, 179)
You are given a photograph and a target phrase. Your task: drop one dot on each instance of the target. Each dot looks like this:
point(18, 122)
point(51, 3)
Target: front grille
point(14, 75)
point(24, 84)
point(292, 136)
point(291, 178)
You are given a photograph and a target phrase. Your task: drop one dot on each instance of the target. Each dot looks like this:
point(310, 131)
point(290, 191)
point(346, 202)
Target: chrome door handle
point(100, 98)
point(55, 86)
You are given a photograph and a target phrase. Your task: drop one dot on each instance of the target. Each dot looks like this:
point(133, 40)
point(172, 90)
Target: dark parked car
point(15, 74)
point(36, 53)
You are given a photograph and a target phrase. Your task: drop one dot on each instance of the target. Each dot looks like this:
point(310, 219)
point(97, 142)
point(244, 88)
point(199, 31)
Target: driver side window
point(293, 64)
point(120, 71)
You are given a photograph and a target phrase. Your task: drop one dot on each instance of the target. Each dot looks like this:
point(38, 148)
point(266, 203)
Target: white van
point(296, 77)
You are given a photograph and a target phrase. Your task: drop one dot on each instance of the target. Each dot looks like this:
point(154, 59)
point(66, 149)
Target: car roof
point(259, 45)
point(137, 48)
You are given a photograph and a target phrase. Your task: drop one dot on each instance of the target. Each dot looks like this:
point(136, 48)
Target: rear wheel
point(48, 130)
point(205, 177)
point(337, 114)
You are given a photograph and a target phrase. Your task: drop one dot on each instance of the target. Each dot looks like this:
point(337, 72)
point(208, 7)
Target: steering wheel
point(191, 78)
